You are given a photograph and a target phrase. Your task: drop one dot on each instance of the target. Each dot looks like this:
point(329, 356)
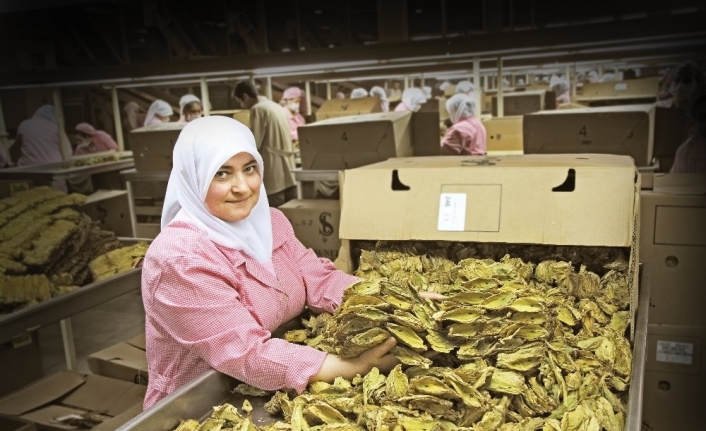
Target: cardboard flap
point(41, 392)
point(138, 342)
point(45, 417)
point(680, 184)
point(536, 199)
point(103, 394)
point(124, 353)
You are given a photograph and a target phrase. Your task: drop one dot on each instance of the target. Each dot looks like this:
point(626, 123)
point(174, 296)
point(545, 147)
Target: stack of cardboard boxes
point(642, 90)
point(673, 245)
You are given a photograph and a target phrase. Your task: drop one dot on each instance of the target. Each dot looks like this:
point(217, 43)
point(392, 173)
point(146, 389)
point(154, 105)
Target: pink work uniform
point(295, 120)
point(210, 306)
point(467, 137)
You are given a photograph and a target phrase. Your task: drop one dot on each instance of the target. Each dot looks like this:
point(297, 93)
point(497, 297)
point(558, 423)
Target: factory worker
point(427, 92)
point(592, 77)
point(190, 108)
point(269, 124)
point(467, 135)
point(412, 99)
point(465, 87)
point(134, 117)
point(357, 93)
point(380, 93)
point(39, 140)
point(687, 78)
point(691, 155)
point(607, 77)
point(561, 90)
point(159, 112)
point(291, 100)
point(444, 85)
point(226, 271)
point(92, 140)
point(520, 82)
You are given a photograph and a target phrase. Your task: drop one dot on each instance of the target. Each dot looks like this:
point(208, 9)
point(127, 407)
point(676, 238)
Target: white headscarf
point(158, 107)
point(427, 91)
point(201, 149)
point(185, 100)
point(358, 93)
point(460, 106)
point(413, 98)
point(132, 109)
point(379, 92)
point(47, 112)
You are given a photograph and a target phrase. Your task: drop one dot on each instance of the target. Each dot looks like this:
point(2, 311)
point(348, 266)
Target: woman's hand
point(378, 356)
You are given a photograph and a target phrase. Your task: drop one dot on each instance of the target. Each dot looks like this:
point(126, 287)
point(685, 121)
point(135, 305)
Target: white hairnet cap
point(465, 87)
point(460, 106)
point(358, 93)
point(427, 91)
point(378, 91)
point(444, 85)
point(414, 98)
point(558, 85)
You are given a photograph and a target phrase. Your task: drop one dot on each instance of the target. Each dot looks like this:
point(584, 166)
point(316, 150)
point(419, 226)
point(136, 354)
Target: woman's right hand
point(378, 356)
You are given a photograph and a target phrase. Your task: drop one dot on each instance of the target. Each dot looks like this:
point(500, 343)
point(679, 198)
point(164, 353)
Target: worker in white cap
point(190, 108)
point(380, 93)
point(467, 135)
point(159, 112)
point(412, 99)
point(357, 93)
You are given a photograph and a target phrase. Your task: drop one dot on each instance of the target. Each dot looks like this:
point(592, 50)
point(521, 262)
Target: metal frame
point(45, 174)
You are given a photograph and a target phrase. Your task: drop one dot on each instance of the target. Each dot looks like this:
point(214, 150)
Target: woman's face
point(235, 188)
point(193, 111)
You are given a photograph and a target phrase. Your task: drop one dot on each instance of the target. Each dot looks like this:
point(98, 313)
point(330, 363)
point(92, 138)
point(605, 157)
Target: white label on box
point(678, 353)
point(452, 212)
point(621, 86)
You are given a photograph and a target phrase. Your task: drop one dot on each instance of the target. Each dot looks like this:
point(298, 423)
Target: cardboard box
point(670, 127)
point(67, 392)
point(426, 133)
point(13, 424)
point(504, 134)
point(524, 102)
point(675, 377)
point(624, 130)
point(673, 244)
point(535, 199)
point(315, 223)
point(633, 88)
point(20, 362)
point(336, 108)
point(436, 104)
point(124, 361)
point(350, 142)
point(152, 146)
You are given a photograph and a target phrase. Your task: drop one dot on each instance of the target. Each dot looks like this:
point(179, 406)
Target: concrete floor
point(97, 328)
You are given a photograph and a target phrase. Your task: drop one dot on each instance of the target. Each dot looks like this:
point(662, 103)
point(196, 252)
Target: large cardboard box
point(624, 130)
point(426, 133)
point(66, 392)
point(315, 223)
point(525, 102)
point(20, 362)
point(504, 134)
point(152, 146)
point(530, 199)
point(673, 244)
point(335, 108)
point(350, 142)
point(633, 88)
point(675, 377)
point(124, 361)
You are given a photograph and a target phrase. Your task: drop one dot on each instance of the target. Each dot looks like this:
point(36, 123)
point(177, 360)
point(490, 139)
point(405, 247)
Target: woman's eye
point(221, 174)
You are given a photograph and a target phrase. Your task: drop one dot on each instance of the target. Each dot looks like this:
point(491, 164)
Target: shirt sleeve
point(257, 125)
point(452, 144)
point(201, 310)
point(324, 283)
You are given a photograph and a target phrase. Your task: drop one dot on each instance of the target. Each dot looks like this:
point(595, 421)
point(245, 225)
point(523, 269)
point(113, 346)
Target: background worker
point(690, 157)
point(357, 93)
point(39, 140)
point(159, 112)
point(412, 99)
point(561, 88)
point(190, 108)
point(292, 102)
point(467, 135)
point(380, 93)
point(270, 126)
point(226, 271)
point(92, 140)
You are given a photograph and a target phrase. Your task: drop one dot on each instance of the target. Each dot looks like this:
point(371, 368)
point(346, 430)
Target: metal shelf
point(45, 174)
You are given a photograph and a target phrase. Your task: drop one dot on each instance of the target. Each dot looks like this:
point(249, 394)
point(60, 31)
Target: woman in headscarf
point(690, 157)
point(92, 140)
point(38, 140)
point(359, 92)
point(412, 99)
point(467, 135)
point(134, 117)
point(380, 93)
point(190, 108)
point(226, 271)
point(291, 100)
point(159, 112)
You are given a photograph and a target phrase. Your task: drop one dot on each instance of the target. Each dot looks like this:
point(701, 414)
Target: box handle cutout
point(396, 183)
point(569, 185)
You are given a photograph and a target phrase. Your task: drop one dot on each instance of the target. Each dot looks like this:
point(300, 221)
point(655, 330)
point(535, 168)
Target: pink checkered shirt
point(209, 306)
